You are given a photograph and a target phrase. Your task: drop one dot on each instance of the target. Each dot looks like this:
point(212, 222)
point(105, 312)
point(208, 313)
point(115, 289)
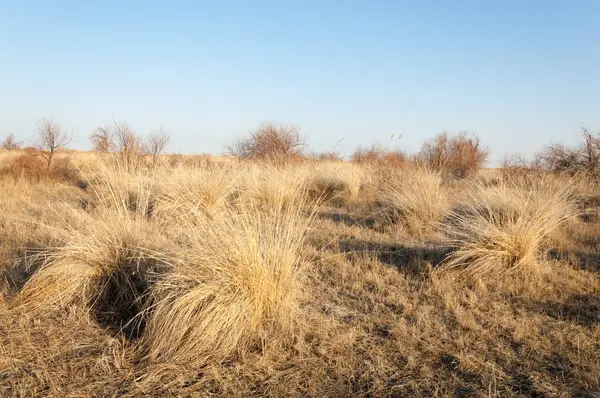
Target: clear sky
point(518, 73)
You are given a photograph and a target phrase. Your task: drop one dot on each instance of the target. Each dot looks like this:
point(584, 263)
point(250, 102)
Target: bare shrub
point(128, 146)
point(559, 158)
point(10, 143)
point(50, 138)
point(32, 167)
point(459, 155)
point(328, 156)
point(518, 168)
point(190, 161)
point(102, 139)
point(270, 142)
point(156, 143)
point(379, 155)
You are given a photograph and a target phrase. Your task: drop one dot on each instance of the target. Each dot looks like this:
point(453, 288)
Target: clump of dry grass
point(268, 186)
point(338, 182)
point(416, 199)
point(239, 285)
point(183, 190)
point(107, 262)
point(500, 229)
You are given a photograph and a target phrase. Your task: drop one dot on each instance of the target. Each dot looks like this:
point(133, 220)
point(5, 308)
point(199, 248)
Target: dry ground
point(345, 297)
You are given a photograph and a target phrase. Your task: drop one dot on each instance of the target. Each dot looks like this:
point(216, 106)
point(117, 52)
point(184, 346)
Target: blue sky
point(518, 73)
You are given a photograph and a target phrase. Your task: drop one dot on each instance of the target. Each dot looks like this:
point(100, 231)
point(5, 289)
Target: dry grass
point(32, 167)
point(239, 285)
point(223, 279)
point(106, 260)
point(501, 229)
point(416, 199)
point(338, 182)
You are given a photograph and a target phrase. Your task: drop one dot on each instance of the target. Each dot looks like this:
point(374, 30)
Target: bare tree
point(128, 145)
point(271, 141)
point(156, 143)
point(50, 138)
point(11, 142)
point(102, 139)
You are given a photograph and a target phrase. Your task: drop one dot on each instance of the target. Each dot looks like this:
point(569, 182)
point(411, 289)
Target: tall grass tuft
point(500, 229)
point(239, 285)
point(416, 199)
point(335, 182)
point(107, 262)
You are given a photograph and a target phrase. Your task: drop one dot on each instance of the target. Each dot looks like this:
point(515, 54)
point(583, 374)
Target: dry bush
point(190, 161)
point(50, 138)
point(379, 155)
point(10, 143)
point(271, 142)
point(459, 155)
point(32, 167)
point(128, 147)
point(238, 287)
point(328, 156)
point(519, 170)
point(559, 158)
point(156, 143)
point(64, 170)
point(26, 166)
point(416, 199)
point(102, 139)
point(500, 229)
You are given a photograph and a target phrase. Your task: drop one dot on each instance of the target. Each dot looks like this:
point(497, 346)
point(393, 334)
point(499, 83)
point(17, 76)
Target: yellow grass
point(224, 278)
point(239, 284)
point(500, 229)
point(415, 198)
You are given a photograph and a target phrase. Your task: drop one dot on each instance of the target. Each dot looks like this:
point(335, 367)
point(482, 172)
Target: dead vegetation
point(10, 143)
point(275, 142)
point(193, 277)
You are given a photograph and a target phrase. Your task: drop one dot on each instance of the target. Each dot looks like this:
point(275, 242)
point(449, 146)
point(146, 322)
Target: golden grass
point(107, 259)
point(224, 279)
point(335, 182)
point(239, 284)
point(188, 190)
point(501, 228)
point(416, 199)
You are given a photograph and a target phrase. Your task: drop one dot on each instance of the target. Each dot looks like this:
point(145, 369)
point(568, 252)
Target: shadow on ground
point(349, 220)
point(580, 309)
point(415, 261)
point(583, 259)
point(21, 268)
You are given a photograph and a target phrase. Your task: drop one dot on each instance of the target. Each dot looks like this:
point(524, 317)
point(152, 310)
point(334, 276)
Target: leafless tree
point(11, 142)
point(128, 145)
point(50, 138)
point(102, 139)
point(156, 143)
